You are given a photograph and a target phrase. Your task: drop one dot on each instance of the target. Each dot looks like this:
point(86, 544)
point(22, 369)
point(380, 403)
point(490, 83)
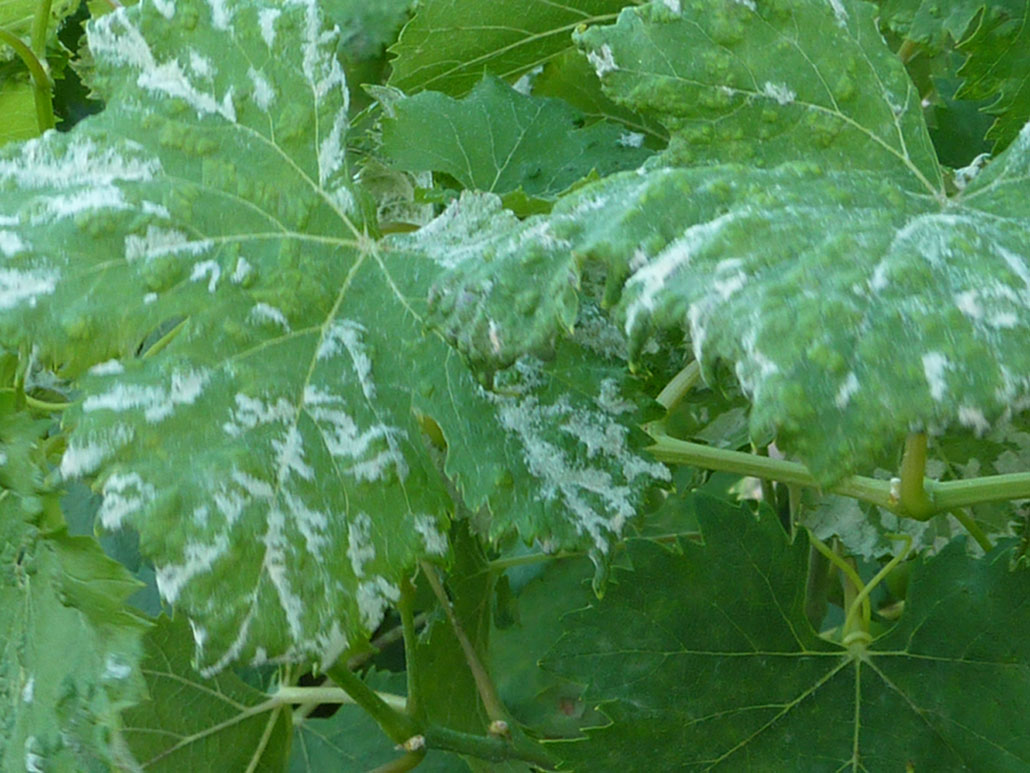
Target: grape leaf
point(928, 21)
point(70, 650)
point(999, 65)
point(448, 44)
point(496, 139)
point(227, 726)
point(809, 81)
point(16, 17)
point(17, 107)
point(265, 448)
point(891, 270)
point(724, 670)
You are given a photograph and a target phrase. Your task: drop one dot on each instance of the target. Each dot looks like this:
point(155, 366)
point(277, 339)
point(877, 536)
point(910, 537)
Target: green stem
point(501, 564)
point(974, 530)
point(40, 22)
point(914, 501)
point(396, 724)
point(485, 747)
point(405, 606)
point(974, 491)
point(680, 385)
point(43, 405)
point(495, 709)
point(324, 694)
point(41, 82)
point(863, 595)
point(164, 340)
point(669, 449)
point(847, 569)
point(907, 50)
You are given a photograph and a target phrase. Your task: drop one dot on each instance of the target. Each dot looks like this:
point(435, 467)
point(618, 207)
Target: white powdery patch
point(650, 280)
point(264, 94)
point(275, 565)
point(251, 412)
point(331, 644)
point(207, 269)
point(108, 368)
point(10, 243)
point(242, 271)
point(165, 7)
point(1016, 263)
point(320, 65)
point(602, 60)
point(83, 163)
point(432, 538)
point(782, 93)
point(115, 668)
point(157, 403)
point(162, 241)
point(331, 158)
point(81, 458)
point(124, 494)
point(373, 598)
point(344, 440)
point(197, 559)
point(840, 12)
point(673, 5)
point(349, 334)
point(598, 504)
point(967, 174)
point(201, 65)
point(86, 200)
point(631, 140)
point(289, 455)
point(220, 14)
point(28, 690)
point(968, 303)
point(610, 398)
point(360, 547)
point(847, 389)
point(115, 38)
point(749, 4)
point(969, 416)
point(935, 368)
point(266, 23)
point(262, 312)
point(17, 287)
point(34, 762)
point(729, 278)
point(311, 523)
point(524, 85)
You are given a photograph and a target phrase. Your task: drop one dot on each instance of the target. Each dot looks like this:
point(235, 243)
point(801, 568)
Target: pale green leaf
point(449, 44)
point(16, 16)
point(765, 83)
point(17, 111)
point(197, 724)
point(496, 139)
point(722, 669)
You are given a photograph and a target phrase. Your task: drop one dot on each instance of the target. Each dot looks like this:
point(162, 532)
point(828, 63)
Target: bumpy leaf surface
point(69, 651)
point(852, 297)
point(496, 139)
point(449, 44)
point(269, 447)
point(999, 65)
point(196, 724)
point(722, 670)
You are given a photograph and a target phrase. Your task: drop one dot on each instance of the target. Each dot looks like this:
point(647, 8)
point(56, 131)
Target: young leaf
point(197, 724)
point(999, 65)
point(448, 44)
point(496, 139)
point(722, 668)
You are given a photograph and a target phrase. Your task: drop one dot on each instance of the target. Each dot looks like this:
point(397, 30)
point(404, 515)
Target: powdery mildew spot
point(124, 495)
point(602, 60)
point(263, 312)
point(840, 12)
point(673, 5)
point(289, 455)
point(67, 205)
point(165, 7)
point(374, 597)
point(82, 164)
point(782, 93)
point(82, 457)
point(360, 547)
point(847, 389)
point(201, 65)
point(349, 334)
point(264, 94)
point(17, 287)
point(266, 23)
point(10, 243)
point(935, 368)
point(631, 139)
point(972, 417)
point(208, 269)
point(242, 271)
point(157, 403)
point(435, 542)
point(157, 242)
point(198, 559)
point(220, 14)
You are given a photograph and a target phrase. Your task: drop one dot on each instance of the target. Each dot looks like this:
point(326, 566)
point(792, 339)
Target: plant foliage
point(398, 343)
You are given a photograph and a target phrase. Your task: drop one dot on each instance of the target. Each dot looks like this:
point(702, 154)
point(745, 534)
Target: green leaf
point(197, 724)
point(999, 65)
point(722, 668)
point(17, 106)
point(735, 82)
point(928, 21)
point(496, 139)
point(449, 44)
point(70, 651)
point(16, 17)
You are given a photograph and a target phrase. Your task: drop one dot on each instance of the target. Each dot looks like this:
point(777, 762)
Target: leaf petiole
point(849, 571)
point(863, 595)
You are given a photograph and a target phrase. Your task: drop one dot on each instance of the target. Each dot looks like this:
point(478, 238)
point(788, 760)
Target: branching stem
point(913, 499)
point(41, 83)
point(974, 530)
point(849, 572)
point(396, 724)
point(863, 595)
point(680, 385)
